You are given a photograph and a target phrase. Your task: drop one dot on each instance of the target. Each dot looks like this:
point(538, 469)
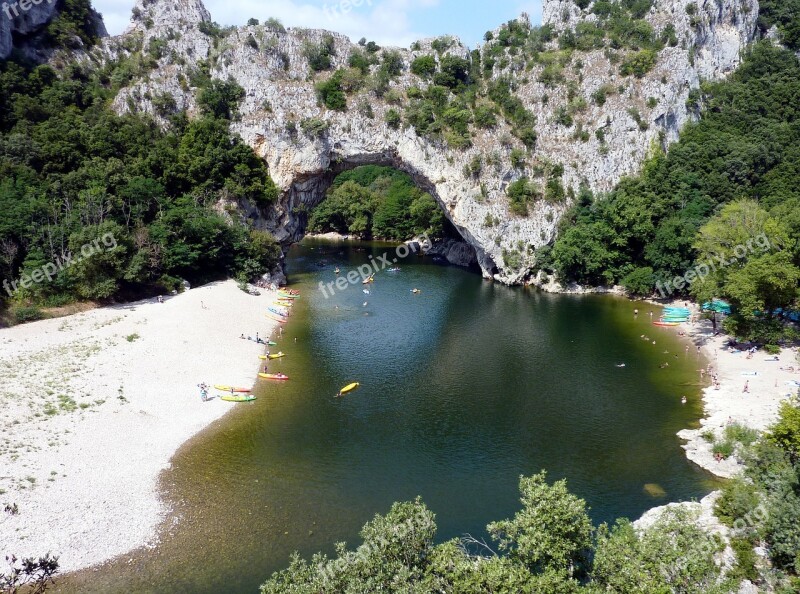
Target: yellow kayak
point(238, 398)
point(275, 356)
point(349, 388)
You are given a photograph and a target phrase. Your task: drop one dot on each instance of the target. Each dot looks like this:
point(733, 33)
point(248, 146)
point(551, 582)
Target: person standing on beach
point(746, 387)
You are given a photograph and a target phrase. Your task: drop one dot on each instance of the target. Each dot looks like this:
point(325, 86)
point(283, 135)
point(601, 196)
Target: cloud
point(387, 22)
point(534, 9)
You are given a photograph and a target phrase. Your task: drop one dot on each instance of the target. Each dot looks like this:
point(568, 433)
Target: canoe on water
point(348, 388)
point(276, 318)
point(240, 398)
point(668, 324)
point(273, 376)
point(275, 356)
point(277, 312)
point(230, 389)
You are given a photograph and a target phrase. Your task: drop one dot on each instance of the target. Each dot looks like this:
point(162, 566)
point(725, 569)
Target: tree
point(674, 555)
point(552, 532)
point(393, 557)
point(786, 432)
point(221, 99)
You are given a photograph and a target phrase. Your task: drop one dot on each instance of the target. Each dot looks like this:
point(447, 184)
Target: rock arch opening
point(291, 219)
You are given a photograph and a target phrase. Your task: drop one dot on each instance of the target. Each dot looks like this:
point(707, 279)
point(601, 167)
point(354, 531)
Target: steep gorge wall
point(639, 115)
point(22, 20)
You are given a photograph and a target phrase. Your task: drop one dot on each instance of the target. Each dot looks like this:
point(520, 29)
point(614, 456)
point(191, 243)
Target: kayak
point(669, 324)
point(280, 303)
point(242, 398)
point(276, 318)
point(349, 388)
point(277, 312)
point(277, 355)
point(273, 376)
point(229, 389)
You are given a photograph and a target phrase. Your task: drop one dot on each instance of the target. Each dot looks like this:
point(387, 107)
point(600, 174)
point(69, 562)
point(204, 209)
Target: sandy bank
point(93, 406)
point(769, 383)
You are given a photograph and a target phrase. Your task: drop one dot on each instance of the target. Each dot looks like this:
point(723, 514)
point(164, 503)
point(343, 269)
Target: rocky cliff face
point(21, 20)
point(597, 144)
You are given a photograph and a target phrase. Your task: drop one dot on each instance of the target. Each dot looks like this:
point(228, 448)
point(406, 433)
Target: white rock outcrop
point(603, 144)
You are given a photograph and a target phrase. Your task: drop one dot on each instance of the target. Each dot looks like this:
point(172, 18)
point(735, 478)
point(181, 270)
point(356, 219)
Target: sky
point(388, 22)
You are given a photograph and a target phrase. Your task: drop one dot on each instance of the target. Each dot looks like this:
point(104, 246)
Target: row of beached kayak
point(674, 316)
point(279, 311)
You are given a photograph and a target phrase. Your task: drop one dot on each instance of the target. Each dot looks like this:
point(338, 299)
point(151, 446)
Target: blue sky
point(389, 22)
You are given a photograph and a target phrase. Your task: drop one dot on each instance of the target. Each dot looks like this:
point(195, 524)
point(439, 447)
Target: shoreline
point(95, 494)
point(758, 408)
point(93, 407)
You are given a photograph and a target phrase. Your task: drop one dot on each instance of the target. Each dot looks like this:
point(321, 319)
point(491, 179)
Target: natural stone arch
point(270, 64)
point(288, 221)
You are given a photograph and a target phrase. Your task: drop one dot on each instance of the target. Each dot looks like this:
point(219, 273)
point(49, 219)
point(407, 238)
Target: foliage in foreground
point(32, 576)
point(551, 546)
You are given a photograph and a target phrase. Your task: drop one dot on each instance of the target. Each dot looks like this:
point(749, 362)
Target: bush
point(320, 56)
point(274, 25)
point(331, 93)
point(723, 448)
point(393, 119)
point(738, 433)
point(518, 158)
point(314, 127)
point(26, 313)
point(520, 193)
point(424, 66)
point(639, 63)
point(485, 116)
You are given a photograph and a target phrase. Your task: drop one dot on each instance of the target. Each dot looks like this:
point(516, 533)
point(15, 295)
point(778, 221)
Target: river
point(464, 387)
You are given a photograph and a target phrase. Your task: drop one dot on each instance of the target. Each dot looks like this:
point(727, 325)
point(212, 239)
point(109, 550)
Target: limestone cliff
point(22, 20)
point(593, 123)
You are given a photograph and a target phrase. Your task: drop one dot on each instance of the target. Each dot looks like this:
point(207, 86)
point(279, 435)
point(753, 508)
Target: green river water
point(464, 387)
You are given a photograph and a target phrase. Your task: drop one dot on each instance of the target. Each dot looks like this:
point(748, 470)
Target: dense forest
point(375, 202)
point(137, 208)
point(733, 177)
point(551, 545)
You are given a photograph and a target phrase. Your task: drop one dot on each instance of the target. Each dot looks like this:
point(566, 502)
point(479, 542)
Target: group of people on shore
point(712, 373)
